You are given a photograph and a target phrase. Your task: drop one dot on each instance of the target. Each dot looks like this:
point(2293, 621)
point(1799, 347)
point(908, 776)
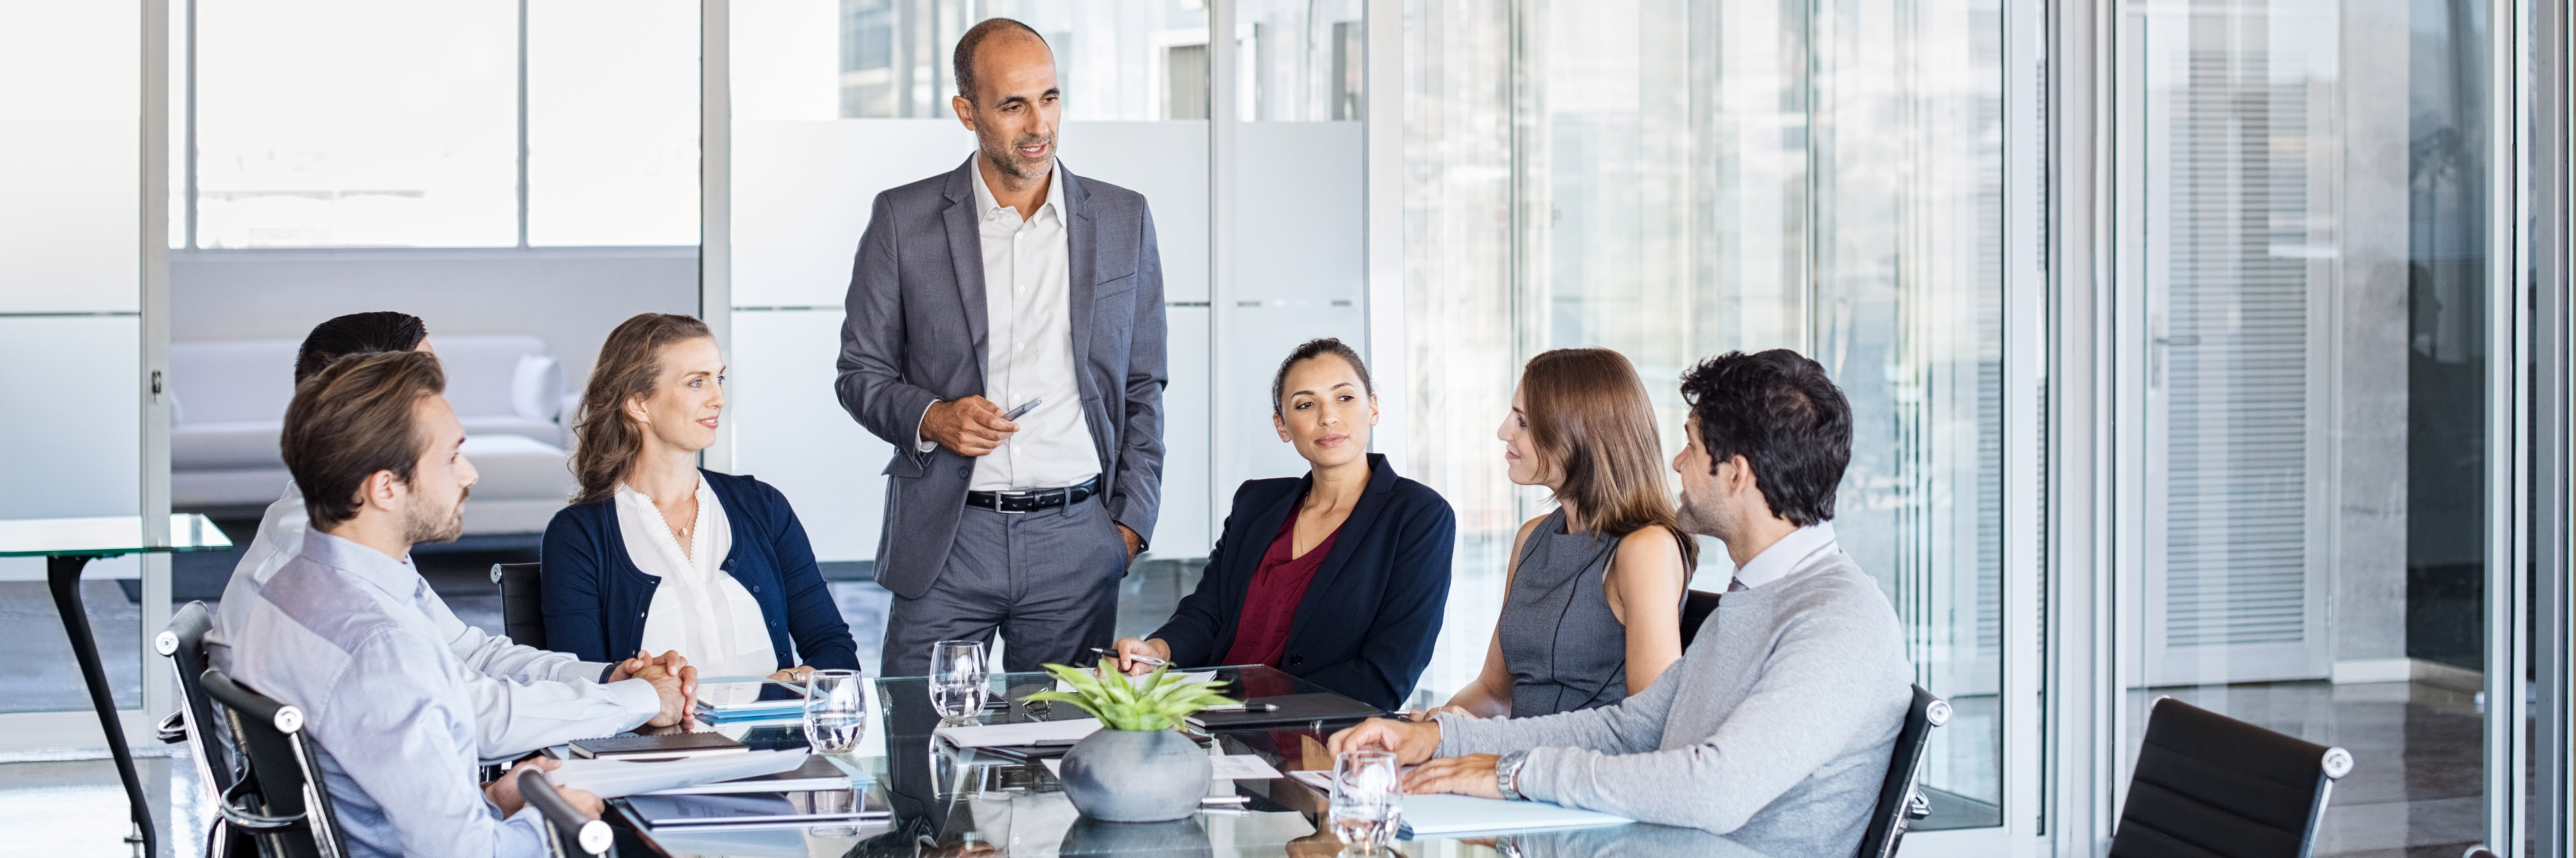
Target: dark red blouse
point(1270, 606)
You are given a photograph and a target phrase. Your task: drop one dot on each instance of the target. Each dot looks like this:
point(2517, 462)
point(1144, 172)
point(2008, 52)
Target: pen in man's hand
point(1014, 414)
point(1140, 658)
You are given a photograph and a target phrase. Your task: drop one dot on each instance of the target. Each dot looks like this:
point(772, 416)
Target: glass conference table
point(68, 545)
point(952, 803)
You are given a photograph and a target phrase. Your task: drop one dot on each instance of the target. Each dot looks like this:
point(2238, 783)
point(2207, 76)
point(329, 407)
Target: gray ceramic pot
point(1136, 776)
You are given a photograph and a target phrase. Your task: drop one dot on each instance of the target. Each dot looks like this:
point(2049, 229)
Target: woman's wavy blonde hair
point(605, 440)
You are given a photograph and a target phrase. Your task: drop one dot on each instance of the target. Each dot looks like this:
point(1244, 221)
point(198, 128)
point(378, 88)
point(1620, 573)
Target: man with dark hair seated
point(1777, 724)
point(348, 632)
point(524, 698)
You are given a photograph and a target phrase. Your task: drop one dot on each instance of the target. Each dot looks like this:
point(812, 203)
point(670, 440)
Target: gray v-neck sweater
point(1774, 727)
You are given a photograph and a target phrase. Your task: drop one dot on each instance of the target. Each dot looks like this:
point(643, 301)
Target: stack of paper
point(1019, 735)
point(737, 699)
point(615, 778)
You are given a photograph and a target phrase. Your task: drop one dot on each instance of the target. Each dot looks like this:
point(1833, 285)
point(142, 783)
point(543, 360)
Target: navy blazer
point(595, 598)
point(1373, 610)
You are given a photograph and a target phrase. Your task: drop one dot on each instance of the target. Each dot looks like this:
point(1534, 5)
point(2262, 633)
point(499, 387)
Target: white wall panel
point(1193, 508)
point(801, 192)
point(790, 430)
point(69, 84)
point(72, 450)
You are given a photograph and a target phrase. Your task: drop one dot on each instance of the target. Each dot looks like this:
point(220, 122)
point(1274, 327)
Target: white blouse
point(699, 609)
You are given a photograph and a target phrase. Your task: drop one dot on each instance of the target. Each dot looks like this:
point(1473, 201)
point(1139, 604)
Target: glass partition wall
point(1676, 179)
point(2305, 288)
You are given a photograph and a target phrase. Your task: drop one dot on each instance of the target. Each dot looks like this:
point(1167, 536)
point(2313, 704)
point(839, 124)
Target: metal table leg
point(62, 575)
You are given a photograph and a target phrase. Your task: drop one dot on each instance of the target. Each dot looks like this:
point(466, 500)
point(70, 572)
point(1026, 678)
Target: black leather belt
point(1035, 499)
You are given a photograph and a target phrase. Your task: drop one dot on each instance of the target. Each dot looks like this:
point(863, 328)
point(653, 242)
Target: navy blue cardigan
point(1372, 612)
point(595, 599)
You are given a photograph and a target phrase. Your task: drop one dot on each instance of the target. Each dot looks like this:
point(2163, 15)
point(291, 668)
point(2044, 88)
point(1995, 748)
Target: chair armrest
point(567, 825)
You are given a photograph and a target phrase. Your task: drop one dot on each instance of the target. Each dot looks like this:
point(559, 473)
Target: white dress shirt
point(699, 609)
point(354, 638)
point(523, 698)
point(1029, 339)
point(1788, 555)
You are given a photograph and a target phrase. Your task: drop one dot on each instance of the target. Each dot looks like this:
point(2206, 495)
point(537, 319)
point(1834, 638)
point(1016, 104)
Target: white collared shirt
point(1790, 554)
point(1029, 345)
point(699, 609)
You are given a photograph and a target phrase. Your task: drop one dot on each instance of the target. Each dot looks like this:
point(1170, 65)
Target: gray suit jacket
point(916, 334)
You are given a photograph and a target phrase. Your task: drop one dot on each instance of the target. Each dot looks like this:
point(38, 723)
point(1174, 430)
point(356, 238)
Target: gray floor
point(2415, 792)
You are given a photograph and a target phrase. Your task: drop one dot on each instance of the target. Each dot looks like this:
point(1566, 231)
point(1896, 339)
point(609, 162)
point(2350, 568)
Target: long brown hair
point(605, 440)
point(1591, 421)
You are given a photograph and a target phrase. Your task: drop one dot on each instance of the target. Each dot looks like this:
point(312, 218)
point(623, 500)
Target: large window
point(1679, 179)
point(480, 123)
point(2305, 289)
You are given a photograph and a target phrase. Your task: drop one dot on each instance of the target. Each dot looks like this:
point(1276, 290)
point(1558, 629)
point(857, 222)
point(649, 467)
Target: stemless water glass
point(836, 711)
point(957, 680)
point(1368, 800)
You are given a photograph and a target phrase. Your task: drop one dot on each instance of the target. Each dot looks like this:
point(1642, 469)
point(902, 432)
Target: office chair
point(523, 617)
point(2478, 852)
point(1696, 606)
point(2207, 784)
point(184, 643)
point(568, 833)
point(283, 803)
point(1898, 802)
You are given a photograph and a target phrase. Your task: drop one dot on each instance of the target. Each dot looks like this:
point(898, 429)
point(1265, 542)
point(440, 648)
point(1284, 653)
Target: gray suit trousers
point(1046, 580)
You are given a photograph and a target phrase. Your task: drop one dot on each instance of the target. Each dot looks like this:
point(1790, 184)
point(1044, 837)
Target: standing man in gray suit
point(1008, 284)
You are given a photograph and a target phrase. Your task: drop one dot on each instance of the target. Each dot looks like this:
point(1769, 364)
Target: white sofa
point(228, 403)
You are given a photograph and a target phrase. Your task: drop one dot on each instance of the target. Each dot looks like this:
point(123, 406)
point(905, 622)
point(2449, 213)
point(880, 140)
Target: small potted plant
point(1138, 767)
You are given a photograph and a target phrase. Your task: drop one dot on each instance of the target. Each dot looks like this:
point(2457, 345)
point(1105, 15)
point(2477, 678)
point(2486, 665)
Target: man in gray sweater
point(1776, 725)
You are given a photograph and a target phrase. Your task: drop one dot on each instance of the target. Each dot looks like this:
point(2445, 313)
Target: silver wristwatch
point(1507, 774)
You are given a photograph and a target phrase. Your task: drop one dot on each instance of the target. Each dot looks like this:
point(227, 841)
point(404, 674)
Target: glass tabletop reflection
point(956, 803)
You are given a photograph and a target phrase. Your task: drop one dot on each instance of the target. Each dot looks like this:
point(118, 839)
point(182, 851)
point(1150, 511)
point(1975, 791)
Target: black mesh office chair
point(1899, 803)
point(184, 643)
point(569, 834)
point(2210, 785)
point(282, 803)
point(523, 618)
point(1696, 606)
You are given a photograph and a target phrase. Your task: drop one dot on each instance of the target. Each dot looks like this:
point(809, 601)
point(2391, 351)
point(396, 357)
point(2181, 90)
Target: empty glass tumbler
point(957, 679)
point(1368, 800)
point(836, 711)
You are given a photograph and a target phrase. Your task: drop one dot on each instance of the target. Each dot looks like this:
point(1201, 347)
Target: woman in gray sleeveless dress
point(1592, 613)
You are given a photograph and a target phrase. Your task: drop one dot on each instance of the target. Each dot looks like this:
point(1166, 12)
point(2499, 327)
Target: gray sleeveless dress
point(1564, 648)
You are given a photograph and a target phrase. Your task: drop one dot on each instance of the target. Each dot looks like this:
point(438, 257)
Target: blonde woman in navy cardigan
point(658, 555)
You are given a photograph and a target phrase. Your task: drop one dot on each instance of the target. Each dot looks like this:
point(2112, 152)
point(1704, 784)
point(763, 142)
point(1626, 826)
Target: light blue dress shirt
point(525, 698)
point(351, 636)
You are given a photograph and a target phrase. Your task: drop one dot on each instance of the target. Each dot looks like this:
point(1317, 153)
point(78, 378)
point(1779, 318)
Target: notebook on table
point(753, 810)
point(667, 746)
point(1292, 709)
point(818, 772)
point(748, 698)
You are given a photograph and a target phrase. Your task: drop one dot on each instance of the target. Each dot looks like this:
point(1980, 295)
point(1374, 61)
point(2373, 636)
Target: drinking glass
point(1368, 800)
point(836, 711)
point(957, 680)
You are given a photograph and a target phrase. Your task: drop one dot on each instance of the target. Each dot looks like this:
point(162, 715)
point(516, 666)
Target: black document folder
point(1293, 709)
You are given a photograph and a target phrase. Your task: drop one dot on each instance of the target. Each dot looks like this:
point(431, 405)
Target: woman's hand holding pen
point(1140, 657)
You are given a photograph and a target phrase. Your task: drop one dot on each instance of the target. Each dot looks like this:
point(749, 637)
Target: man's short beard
point(422, 526)
point(1006, 158)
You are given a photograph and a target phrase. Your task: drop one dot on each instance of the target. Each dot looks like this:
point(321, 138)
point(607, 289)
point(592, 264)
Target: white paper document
point(1247, 767)
point(620, 778)
point(1443, 815)
point(1191, 676)
point(1019, 735)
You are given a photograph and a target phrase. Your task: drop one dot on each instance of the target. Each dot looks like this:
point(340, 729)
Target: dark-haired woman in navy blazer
point(1339, 577)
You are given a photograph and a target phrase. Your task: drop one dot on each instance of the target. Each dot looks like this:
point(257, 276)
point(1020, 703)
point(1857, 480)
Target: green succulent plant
point(1156, 701)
